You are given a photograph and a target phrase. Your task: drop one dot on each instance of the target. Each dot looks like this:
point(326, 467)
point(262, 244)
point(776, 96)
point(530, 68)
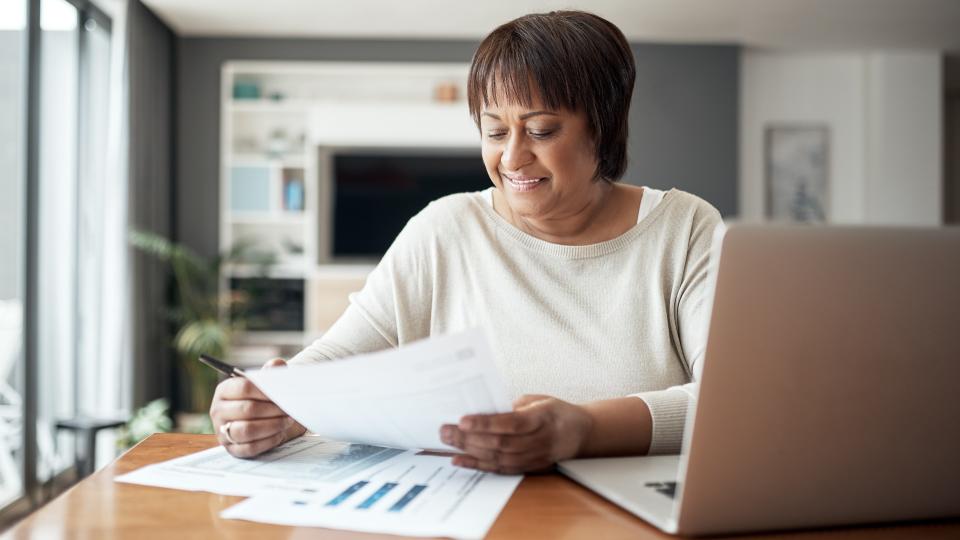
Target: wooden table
point(545, 506)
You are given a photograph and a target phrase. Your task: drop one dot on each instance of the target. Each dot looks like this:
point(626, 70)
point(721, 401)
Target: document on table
point(304, 463)
point(383, 403)
point(416, 495)
point(397, 398)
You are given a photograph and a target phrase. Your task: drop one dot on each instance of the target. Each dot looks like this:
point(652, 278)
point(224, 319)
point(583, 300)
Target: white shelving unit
point(280, 122)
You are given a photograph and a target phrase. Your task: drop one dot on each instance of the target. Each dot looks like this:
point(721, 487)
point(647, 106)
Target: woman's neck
point(599, 218)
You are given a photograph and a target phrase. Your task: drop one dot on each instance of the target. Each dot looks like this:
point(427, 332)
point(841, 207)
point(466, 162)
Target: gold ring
point(225, 431)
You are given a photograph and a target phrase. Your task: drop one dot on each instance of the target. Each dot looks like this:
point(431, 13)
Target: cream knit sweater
point(625, 317)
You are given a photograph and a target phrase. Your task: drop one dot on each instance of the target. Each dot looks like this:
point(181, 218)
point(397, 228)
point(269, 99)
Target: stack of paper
point(389, 405)
point(417, 495)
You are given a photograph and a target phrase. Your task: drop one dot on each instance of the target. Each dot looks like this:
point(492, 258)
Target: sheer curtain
point(57, 267)
point(125, 334)
point(104, 347)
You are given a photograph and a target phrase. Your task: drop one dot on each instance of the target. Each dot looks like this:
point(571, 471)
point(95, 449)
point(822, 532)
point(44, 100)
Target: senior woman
point(595, 293)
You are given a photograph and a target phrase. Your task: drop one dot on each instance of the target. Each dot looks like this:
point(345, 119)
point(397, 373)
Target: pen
point(221, 366)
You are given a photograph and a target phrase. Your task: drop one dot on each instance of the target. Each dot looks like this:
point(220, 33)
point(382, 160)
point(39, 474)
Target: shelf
point(341, 271)
point(292, 160)
point(268, 218)
point(298, 270)
point(326, 106)
point(277, 271)
point(260, 337)
point(267, 105)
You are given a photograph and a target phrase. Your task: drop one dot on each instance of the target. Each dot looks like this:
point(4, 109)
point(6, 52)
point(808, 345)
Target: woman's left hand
point(540, 431)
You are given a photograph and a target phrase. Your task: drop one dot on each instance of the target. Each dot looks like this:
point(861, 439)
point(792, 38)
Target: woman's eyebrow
point(536, 113)
point(523, 116)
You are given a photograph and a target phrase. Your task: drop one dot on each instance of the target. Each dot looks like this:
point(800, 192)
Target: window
point(57, 248)
point(54, 84)
point(12, 152)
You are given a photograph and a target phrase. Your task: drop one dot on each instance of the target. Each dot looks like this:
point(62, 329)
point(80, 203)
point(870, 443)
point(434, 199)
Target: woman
point(595, 292)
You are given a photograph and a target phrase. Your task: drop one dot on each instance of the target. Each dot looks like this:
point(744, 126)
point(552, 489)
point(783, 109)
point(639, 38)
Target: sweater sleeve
point(350, 335)
point(392, 308)
point(668, 407)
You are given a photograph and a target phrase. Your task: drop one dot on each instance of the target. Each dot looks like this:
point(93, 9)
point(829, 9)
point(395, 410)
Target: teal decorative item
point(294, 195)
point(246, 90)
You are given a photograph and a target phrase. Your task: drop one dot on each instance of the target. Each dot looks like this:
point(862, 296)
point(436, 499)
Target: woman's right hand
point(246, 422)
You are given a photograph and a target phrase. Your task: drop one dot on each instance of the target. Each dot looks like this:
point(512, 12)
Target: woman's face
point(542, 161)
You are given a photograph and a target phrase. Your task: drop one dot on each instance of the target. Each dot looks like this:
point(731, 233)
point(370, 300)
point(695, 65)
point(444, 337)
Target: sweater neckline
point(566, 251)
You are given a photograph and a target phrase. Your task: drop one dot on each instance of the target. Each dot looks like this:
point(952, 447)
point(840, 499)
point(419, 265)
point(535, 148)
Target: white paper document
point(305, 463)
point(417, 495)
point(396, 398)
point(388, 405)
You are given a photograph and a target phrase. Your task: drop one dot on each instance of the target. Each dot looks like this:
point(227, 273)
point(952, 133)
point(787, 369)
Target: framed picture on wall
point(796, 159)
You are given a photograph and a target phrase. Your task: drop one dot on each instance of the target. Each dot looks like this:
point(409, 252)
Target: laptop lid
point(830, 391)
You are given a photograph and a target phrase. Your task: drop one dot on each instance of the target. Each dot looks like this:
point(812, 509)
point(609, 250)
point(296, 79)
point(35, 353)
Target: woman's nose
point(516, 154)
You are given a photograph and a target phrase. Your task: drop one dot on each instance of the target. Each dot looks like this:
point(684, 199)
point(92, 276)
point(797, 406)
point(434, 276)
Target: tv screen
point(375, 195)
point(269, 303)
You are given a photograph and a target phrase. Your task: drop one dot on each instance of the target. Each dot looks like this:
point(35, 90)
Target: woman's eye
point(496, 135)
point(541, 134)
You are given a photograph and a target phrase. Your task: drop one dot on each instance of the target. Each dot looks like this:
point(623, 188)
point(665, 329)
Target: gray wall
point(684, 119)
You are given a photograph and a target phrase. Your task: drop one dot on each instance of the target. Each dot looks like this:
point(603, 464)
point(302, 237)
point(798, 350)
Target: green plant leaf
point(207, 336)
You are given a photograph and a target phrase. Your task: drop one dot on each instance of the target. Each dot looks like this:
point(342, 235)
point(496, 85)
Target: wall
point(904, 176)
point(684, 120)
point(883, 111)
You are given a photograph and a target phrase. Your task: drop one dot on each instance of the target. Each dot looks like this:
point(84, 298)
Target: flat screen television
point(375, 194)
point(271, 304)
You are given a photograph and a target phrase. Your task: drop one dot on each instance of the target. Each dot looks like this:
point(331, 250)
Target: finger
point(507, 444)
point(504, 464)
point(246, 409)
point(276, 362)
point(450, 434)
point(254, 448)
point(240, 388)
point(513, 422)
point(482, 454)
point(248, 431)
point(295, 430)
point(491, 456)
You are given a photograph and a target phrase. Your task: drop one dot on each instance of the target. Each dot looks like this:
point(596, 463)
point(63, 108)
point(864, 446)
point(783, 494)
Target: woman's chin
point(525, 205)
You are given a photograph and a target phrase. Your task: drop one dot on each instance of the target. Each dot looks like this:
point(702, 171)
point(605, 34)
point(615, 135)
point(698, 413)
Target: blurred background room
point(183, 177)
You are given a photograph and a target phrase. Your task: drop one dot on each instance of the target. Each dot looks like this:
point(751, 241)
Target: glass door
point(13, 16)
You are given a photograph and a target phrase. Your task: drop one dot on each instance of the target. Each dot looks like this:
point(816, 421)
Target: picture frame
point(797, 160)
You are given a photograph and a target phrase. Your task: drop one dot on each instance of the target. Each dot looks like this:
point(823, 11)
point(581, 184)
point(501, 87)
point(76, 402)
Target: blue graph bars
point(398, 506)
point(345, 494)
point(407, 497)
point(377, 495)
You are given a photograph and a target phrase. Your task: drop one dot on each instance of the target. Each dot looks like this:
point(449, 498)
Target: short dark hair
point(576, 60)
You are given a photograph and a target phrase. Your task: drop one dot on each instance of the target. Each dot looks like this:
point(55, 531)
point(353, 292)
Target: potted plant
point(204, 316)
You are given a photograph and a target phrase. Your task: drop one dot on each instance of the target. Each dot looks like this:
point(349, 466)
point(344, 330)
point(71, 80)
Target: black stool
point(85, 431)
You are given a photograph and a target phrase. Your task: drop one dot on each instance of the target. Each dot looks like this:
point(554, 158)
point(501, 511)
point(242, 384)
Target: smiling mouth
point(523, 183)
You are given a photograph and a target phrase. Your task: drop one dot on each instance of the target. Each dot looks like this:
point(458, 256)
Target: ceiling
point(795, 24)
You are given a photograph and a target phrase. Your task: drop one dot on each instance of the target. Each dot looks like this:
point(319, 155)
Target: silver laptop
point(830, 391)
